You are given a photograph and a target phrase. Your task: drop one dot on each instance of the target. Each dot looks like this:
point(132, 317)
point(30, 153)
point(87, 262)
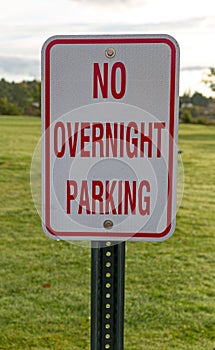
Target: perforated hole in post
point(108, 296)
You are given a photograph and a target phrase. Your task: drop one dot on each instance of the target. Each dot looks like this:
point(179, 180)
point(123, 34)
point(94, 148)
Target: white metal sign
point(110, 114)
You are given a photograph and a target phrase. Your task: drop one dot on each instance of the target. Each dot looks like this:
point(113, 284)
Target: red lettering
point(97, 137)
point(97, 196)
point(72, 144)
point(108, 139)
point(120, 197)
point(71, 196)
point(118, 94)
point(111, 140)
point(146, 210)
point(118, 80)
point(121, 139)
point(131, 141)
point(84, 139)
point(105, 193)
point(59, 126)
point(84, 198)
point(159, 126)
point(129, 198)
point(97, 78)
point(146, 139)
point(109, 197)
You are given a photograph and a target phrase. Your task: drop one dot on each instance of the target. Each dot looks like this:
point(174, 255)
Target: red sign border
point(97, 41)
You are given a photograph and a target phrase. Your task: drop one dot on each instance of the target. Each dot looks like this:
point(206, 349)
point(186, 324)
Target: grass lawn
point(45, 285)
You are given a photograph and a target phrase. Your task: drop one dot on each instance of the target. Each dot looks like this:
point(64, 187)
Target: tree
point(20, 98)
point(210, 79)
point(199, 100)
point(186, 116)
point(8, 108)
point(185, 99)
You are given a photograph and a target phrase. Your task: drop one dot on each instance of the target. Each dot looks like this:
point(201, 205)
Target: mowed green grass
point(45, 285)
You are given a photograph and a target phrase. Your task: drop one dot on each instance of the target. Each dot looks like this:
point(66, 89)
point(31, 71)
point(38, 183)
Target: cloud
point(28, 39)
point(179, 25)
point(102, 2)
point(193, 68)
point(20, 67)
point(23, 32)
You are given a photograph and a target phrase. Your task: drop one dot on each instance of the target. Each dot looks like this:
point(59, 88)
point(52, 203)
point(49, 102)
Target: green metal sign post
point(107, 295)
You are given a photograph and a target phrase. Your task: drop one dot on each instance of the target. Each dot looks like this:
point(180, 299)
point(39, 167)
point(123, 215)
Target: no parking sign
point(110, 115)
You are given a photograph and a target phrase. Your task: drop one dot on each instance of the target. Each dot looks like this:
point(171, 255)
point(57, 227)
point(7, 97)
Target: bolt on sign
point(110, 115)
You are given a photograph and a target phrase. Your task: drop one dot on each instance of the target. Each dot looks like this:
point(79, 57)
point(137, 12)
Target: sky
point(26, 24)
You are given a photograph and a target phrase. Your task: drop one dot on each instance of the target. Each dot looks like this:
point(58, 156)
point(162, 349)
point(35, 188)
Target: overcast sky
point(26, 24)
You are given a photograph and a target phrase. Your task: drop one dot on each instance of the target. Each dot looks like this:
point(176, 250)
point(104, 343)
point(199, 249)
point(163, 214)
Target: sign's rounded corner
point(171, 41)
point(49, 232)
point(49, 42)
point(168, 232)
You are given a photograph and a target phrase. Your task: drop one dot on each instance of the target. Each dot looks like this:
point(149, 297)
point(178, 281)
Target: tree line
point(20, 98)
point(197, 108)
